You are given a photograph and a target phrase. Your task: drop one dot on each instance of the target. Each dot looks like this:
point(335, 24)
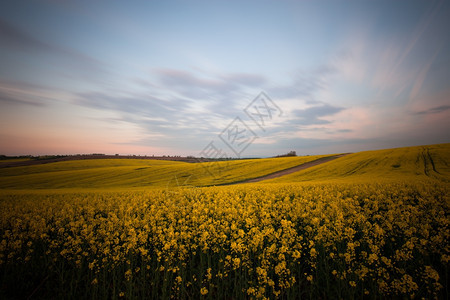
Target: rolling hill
point(408, 163)
point(129, 173)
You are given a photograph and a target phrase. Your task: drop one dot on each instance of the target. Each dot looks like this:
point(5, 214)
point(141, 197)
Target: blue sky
point(170, 77)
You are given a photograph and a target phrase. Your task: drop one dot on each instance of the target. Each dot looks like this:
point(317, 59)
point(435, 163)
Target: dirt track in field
point(293, 169)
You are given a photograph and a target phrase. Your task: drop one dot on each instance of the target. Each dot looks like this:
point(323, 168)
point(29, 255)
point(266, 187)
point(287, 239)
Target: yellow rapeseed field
point(375, 237)
point(408, 163)
point(129, 173)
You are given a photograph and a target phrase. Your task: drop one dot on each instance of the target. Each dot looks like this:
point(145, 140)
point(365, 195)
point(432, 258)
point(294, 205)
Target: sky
point(222, 78)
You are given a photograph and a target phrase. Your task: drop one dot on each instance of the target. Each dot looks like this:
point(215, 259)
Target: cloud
point(192, 107)
point(147, 111)
point(245, 79)
point(313, 115)
point(12, 99)
point(344, 130)
point(419, 32)
point(222, 83)
point(21, 41)
point(162, 118)
point(434, 110)
point(13, 37)
point(23, 93)
point(184, 81)
point(129, 103)
point(401, 63)
point(223, 89)
point(305, 84)
point(223, 95)
point(422, 75)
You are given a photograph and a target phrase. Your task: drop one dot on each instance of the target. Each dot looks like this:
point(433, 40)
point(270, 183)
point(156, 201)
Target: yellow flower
point(204, 291)
point(236, 262)
point(251, 291)
point(431, 273)
point(208, 274)
point(128, 274)
point(296, 254)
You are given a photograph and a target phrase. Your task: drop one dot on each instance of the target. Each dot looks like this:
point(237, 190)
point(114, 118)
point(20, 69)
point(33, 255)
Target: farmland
point(369, 225)
point(410, 163)
point(129, 173)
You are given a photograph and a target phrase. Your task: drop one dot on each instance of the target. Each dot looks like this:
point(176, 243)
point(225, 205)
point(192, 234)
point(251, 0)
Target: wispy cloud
point(19, 40)
point(161, 118)
point(193, 107)
point(422, 75)
point(24, 93)
point(11, 36)
point(11, 99)
point(434, 110)
point(417, 35)
point(314, 115)
point(305, 84)
point(245, 79)
point(219, 86)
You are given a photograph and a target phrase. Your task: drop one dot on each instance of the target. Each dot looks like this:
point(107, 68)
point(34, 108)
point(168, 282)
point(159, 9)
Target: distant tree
point(290, 153)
